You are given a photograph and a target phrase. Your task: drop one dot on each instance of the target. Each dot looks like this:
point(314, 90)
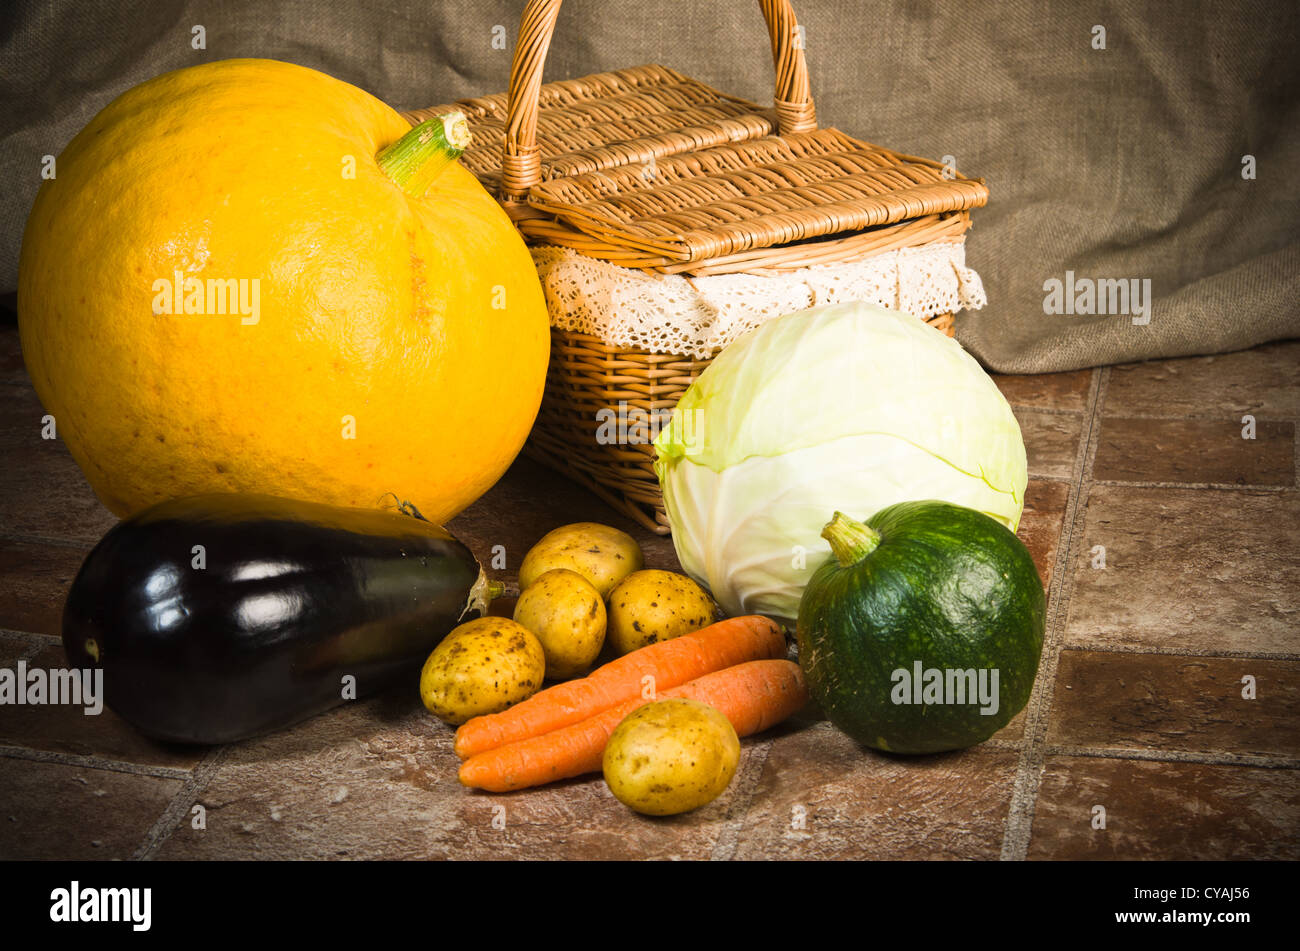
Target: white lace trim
point(696, 316)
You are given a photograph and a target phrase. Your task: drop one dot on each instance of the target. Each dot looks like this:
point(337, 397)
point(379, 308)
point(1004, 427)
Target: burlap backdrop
point(1116, 163)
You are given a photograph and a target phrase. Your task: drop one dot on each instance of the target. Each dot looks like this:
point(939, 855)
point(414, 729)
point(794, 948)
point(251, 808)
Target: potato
point(568, 616)
point(671, 756)
point(652, 605)
point(481, 667)
point(602, 555)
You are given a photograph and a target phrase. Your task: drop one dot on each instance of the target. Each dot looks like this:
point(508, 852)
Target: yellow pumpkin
point(221, 289)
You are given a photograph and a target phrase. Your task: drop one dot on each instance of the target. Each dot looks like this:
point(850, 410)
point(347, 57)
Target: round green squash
point(922, 633)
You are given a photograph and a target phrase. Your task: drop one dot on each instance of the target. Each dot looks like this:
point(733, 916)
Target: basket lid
point(771, 192)
point(648, 168)
point(605, 120)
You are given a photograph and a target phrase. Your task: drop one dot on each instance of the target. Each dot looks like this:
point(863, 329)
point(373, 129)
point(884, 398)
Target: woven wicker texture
point(728, 200)
point(650, 169)
point(625, 117)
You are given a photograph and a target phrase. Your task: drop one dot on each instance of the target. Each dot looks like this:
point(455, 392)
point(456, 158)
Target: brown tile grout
point(1175, 756)
point(724, 849)
point(1047, 410)
point(180, 806)
point(1226, 654)
point(94, 762)
point(1281, 418)
point(733, 826)
point(35, 642)
point(1024, 790)
point(44, 639)
point(1232, 486)
point(48, 540)
point(996, 745)
point(1051, 478)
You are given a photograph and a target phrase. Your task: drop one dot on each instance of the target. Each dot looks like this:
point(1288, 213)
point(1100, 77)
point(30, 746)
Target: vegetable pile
point(257, 582)
point(753, 696)
point(669, 651)
point(658, 667)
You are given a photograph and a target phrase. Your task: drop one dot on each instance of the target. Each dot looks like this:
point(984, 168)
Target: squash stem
point(851, 541)
point(420, 156)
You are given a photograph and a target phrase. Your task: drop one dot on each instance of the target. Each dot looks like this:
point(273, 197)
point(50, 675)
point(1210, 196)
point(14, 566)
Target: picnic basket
point(648, 170)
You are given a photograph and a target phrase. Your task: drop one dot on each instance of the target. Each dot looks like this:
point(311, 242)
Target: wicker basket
point(650, 169)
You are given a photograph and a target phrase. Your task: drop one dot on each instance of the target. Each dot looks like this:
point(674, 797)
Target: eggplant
point(220, 617)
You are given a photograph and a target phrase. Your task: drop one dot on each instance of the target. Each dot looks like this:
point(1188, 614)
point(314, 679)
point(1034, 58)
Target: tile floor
point(1169, 545)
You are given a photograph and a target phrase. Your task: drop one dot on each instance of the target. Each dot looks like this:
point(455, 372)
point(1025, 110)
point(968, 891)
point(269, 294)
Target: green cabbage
point(848, 407)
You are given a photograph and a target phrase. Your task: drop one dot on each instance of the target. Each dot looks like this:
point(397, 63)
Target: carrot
point(753, 696)
point(669, 663)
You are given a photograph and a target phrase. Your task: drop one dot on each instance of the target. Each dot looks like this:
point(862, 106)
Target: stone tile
point(1051, 442)
point(1041, 523)
point(1207, 570)
point(53, 811)
point(68, 729)
point(1059, 391)
point(378, 780)
point(1155, 810)
point(581, 819)
point(37, 577)
point(368, 780)
point(15, 647)
point(43, 494)
point(42, 491)
point(855, 803)
point(12, 369)
point(20, 418)
point(1264, 382)
point(1166, 702)
point(1014, 731)
point(1195, 450)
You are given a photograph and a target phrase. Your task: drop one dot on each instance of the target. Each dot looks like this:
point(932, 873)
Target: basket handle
point(521, 165)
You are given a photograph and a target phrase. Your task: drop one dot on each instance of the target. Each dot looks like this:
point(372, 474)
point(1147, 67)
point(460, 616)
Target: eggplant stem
point(408, 508)
point(481, 595)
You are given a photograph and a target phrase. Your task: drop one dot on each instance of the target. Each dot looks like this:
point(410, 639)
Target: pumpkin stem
point(850, 540)
point(419, 157)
